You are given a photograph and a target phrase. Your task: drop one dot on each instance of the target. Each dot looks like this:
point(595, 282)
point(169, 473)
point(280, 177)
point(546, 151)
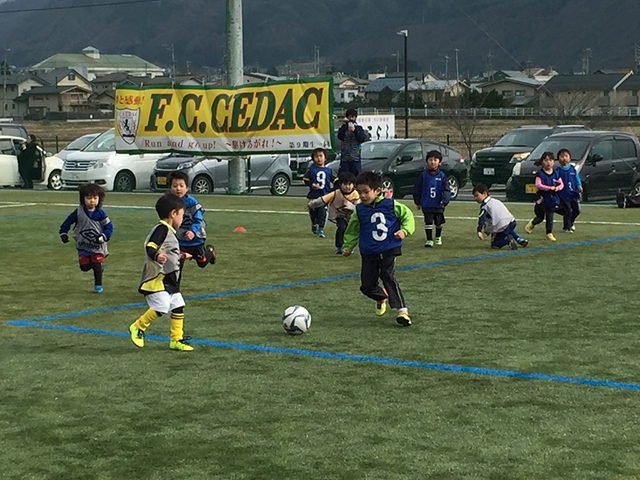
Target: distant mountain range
point(349, 35)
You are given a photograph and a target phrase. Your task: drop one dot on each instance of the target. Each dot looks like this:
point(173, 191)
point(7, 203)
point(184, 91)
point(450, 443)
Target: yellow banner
point(280, 117)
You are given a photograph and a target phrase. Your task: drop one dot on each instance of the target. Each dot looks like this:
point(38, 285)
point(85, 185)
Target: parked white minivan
point(99, 163)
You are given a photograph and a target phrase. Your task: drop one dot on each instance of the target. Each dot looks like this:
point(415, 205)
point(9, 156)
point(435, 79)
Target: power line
point(109, 4)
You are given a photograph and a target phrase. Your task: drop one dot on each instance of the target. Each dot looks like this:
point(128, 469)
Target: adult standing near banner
point(351, 136)
point(27, 159)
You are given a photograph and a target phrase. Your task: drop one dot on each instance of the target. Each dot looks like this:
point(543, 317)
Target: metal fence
point(617, 112)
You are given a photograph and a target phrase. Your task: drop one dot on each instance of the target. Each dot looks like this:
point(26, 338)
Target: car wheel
point(202, 185)
point(387, 185)
point(454, 186)
point(55, 180)
point(124, 182)
point(280, 184)
point(636, 189)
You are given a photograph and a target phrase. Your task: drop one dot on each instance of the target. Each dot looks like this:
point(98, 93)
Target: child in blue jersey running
point(431, 194)
point(191, 233)
point(91, 232)
point(378, 226)
point(570, 194)
point(548, 183)
point(320, 180)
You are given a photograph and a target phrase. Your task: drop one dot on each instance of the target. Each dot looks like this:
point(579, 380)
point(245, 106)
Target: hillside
point(355, 35)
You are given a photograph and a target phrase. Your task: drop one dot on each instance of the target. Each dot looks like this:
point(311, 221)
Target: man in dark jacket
point(26, 160)
point(351, 136)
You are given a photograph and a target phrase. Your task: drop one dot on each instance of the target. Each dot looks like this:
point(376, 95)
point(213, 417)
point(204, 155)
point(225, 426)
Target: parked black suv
point(494, 164)
point(400, 162)
point(606, 162)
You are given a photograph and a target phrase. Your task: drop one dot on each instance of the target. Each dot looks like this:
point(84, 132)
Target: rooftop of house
point(591, 82)
point(92, 59)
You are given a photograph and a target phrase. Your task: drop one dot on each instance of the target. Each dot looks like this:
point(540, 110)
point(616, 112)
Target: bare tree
point(463, 120)
point(577, 107)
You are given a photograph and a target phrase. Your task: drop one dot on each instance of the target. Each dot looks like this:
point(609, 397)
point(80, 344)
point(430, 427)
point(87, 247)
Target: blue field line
point(38, 323)
point(301, 283)
point(353, 358)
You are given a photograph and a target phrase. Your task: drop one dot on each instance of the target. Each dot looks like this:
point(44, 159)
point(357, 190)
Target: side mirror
point(595, 158)
point(405, 159)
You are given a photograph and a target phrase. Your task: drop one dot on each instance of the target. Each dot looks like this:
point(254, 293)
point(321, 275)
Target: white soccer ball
point(296, 320)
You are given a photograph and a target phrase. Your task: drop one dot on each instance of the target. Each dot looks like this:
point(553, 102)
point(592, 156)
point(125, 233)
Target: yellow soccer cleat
point(529, 227)
point(381, 307)
point(550, 237)
point(180, 345)
point(403, 319)
point(137, 335)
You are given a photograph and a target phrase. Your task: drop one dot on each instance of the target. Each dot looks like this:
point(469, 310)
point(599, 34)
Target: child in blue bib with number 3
point(379, 226)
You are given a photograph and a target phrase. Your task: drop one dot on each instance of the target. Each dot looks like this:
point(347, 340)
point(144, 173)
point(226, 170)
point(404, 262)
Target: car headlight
point(182, 166)
point(518, 157)
point(473, 159)
point(100, 164)
point(516, 169)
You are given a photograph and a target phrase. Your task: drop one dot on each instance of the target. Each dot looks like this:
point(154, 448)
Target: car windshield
point(576, 145)
point(378, 150)
point(80, 143)
point(522, 138)
point(105, 142)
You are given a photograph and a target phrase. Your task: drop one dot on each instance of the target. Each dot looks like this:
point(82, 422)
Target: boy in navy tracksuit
point(431, 194)
point(191, 234)
point(570, 194)
point(320, 180)
point(379, 225)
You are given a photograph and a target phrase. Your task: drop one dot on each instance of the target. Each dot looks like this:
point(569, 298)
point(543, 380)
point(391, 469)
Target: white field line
point(18, 205)
point(288, 212)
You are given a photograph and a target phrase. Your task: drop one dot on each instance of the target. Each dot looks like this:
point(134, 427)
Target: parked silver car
point(206, 174)
point(77, 145)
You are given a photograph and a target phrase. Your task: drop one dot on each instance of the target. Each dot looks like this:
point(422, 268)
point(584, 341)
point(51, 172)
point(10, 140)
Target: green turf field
point(519, 365)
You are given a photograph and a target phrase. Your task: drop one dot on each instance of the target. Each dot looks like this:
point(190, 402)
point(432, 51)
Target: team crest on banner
point(127, 120)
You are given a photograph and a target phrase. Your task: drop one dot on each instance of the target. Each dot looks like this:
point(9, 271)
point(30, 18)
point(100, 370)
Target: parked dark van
point(606, 161)
point(493, 165)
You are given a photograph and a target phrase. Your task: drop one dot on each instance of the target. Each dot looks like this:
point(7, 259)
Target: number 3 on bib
point(381, 231)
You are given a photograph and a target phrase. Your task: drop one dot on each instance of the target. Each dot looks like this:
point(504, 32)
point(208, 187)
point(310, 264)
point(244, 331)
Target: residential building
point(579, 94)
point(38, 102)
point(12, 87)
point(91, 63)
point(347, 88)
point(520, 91)
point(434, 92)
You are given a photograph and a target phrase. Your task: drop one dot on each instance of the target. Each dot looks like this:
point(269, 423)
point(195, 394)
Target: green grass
point(83, 402)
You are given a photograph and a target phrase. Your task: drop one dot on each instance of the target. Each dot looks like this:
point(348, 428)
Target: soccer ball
point(296, 320)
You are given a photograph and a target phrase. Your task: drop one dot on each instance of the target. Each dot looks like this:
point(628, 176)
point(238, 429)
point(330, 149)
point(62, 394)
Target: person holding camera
point(351, 136)
point(27, 159)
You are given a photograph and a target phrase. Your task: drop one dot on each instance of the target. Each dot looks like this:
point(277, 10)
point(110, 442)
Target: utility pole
point(5, 67)
point(316, 59)
point(4, 84)
point(585, 61)
point(446, 67)
point(405, 34)
point(490, 57)
point(457, 68)
point(235, 77)
point(397, 55)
